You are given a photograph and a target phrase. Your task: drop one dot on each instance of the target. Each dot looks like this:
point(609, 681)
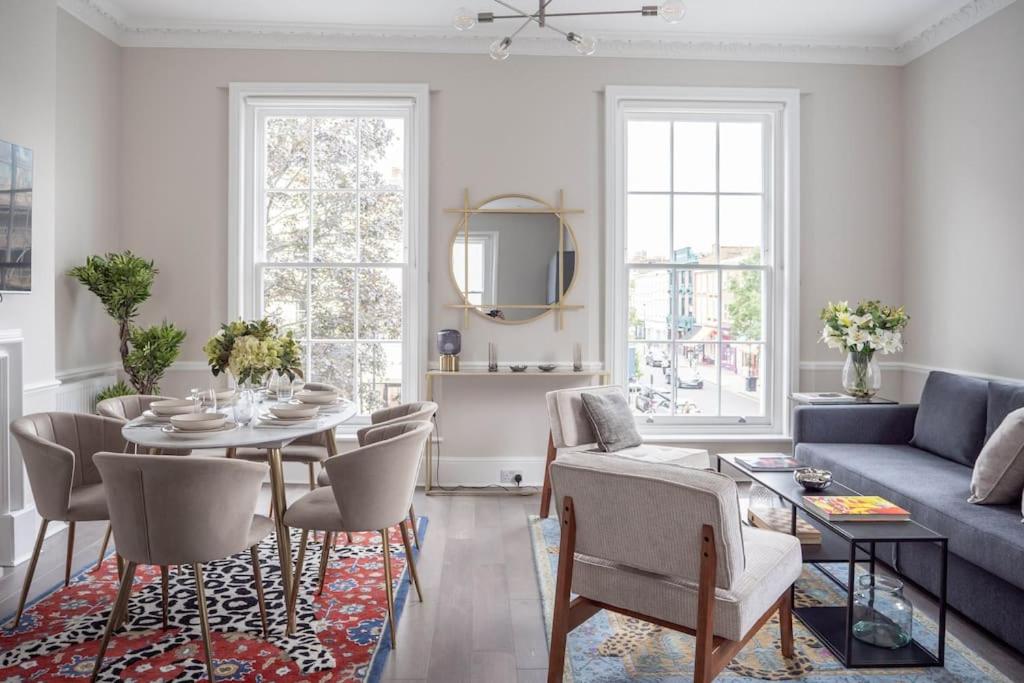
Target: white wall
point(88, 137)
point(964, 180)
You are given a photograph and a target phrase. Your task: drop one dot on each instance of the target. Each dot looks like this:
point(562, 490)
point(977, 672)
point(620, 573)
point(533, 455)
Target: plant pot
point(862, 378)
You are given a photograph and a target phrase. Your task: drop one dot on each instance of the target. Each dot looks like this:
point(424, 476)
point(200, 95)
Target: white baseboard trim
point(18, 531)
point(483, 471)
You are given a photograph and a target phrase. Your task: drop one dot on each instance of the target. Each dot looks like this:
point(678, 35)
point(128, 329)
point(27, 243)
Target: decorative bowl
point(813, 479)
point(199, 422)
point(320, 398)
point(517, 367)
point(172, 406)
point(546, 367)
point(292, 412)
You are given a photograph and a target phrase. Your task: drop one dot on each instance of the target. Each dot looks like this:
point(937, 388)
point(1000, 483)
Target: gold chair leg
point(257, 578)
point(120, 565)
point(204, 620)
point(389, 588)
point(115, 616)
point(71, 552)
point(103, 547)
point(312, 476)
point(325, 555)
point(412, 523)
point(31, 570)
point(297, 578)
point(415, 577)
point(164, 580)
point(348, 537)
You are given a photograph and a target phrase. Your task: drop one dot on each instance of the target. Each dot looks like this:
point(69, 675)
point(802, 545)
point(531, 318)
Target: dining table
point(149, 433)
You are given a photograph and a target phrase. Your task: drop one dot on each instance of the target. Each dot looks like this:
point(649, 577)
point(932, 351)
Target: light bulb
point(585, 45)
point(464, 19)
point(672, 11)
point(501, 49)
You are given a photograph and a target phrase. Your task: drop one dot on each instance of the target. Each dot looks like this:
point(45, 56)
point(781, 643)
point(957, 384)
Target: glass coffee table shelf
point(853, 543)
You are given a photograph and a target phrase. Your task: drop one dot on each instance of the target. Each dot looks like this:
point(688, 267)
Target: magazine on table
point(767, 462)
point(856, 509)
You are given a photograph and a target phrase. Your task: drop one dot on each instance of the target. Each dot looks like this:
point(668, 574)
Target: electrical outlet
point(510, 476)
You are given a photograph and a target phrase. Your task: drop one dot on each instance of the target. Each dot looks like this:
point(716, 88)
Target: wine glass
point(284, 389)
point(197, 402)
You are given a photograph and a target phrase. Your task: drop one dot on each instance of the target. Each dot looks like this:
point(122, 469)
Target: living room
point(458, 218)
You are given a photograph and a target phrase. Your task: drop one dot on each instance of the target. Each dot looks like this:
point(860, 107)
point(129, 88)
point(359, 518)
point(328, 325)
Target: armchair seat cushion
point(316, 511)
point(88, 504)
point(307, 453)
point(773, 564)
point(666, 455)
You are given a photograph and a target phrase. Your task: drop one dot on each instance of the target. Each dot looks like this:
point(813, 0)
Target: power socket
point(514, 477)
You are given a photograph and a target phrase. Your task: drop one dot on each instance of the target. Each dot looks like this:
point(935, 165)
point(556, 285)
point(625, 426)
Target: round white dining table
point(148, 434)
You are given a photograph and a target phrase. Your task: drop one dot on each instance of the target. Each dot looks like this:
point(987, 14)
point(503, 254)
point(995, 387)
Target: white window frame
point(246, 103)
point(781, 365)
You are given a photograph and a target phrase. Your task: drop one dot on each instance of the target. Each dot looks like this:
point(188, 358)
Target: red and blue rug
point(341, 635)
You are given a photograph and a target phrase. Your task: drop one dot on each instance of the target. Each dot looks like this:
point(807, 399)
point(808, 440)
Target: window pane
point(380, 226)
point(650, 303)
point(286, 239)
point(647, 228)
point(333, 364)
point(649, 369)
point(694, 156)
point(335, 149)
point(697, 305)
point(286, 153)
point(743, 305)
point(380, 376)
point(742, 380)
point(740, 222)
point(380, 303)
point(648, 150)
point(332, 303)
point(381, 154)
point(284, 298)
point(334, 227)
point(740, 154)
point(696, 380)
point(693, 229)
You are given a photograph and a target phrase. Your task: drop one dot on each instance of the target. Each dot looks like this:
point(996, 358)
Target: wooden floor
point(481, 620)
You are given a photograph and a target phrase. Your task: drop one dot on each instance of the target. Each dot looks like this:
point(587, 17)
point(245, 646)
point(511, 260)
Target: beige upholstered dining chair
point(664, 544)
point(172, 511)
point(58, 450)
point(371, 489)
point(570, 428)
point(406, 412)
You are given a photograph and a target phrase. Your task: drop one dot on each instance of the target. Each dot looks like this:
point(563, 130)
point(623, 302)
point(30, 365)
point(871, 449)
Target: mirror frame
point(462, 228)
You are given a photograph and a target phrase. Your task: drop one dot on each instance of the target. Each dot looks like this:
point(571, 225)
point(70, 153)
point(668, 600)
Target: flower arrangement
point(863, 331)
point(249, 350)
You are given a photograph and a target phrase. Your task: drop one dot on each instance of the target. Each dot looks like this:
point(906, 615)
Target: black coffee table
point(853, 542)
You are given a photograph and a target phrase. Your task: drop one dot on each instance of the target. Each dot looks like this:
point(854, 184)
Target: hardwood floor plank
point(528, 632)
point(494, 667)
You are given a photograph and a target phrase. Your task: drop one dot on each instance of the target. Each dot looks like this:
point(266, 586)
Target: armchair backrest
point(373, 484)
point(179, 510)
point(570, 426)
point(406, 412)
point(126, 408)
point(650, 516)
point(58, 450)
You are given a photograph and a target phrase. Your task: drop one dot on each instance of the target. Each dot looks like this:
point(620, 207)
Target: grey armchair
point(58, 450)
point(664, 544)
point(170, 511)
point(371, 489)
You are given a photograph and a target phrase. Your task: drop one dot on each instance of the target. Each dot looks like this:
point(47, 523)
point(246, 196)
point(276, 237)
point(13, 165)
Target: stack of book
point(781, 520)
point(766, 462)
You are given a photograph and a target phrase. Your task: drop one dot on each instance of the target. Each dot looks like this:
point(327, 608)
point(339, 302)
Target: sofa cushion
point(951, 419)
point(935, 491)
point(999, 472)
point(1003, 399)
point(611, 420)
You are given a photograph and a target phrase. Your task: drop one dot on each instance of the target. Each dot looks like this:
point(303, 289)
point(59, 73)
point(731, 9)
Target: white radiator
point(79, 396)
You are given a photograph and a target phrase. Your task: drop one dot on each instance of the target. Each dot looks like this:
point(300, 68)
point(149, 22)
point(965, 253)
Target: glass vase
point(882, 616)
point(245, 406)
point(862, 378)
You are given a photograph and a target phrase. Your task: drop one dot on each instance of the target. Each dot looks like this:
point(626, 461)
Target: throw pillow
point(1003, 399)
point(951, 418)
point(998, 476)
point(612, 420)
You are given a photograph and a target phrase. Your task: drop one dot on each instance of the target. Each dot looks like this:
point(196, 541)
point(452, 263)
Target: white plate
point(170, 430)
point(274, 419)
point(153, 417)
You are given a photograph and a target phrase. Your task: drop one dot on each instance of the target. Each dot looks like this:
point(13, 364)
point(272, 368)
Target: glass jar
point(244, 407)
point(882, 615)
point(862, 378)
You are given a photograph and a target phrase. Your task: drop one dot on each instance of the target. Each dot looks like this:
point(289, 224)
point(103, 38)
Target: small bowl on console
point(199, 422)
point(295, 412)
point(813, 479)
point(517, 367)
point(320, 398)
point(546, 367)
point(171, 406)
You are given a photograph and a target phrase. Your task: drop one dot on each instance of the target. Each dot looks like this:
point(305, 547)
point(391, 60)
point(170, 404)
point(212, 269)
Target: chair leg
point(31, 570)
point(115, 616)
point(325, 554)
point(120, 565)
point(164, 579)
point(204, 620)
point(389, 589)
point(410, 560)
point(258, 580)
point(545, 492)
point(71, 552)
point(348, 537)
point(103, 547)
point(312, 476)
point(412, 523)
point(563, 590)
point(296, 579)
point(786, 623)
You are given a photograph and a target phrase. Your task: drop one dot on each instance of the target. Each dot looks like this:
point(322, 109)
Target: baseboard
point(484, 471)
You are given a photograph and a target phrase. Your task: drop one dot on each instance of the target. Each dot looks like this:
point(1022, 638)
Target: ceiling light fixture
point(672, 11)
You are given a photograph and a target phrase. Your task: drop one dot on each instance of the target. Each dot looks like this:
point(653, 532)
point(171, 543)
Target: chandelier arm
point(568, 14)
point(530, 17)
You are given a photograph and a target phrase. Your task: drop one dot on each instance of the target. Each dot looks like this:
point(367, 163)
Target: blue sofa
point(921, 458)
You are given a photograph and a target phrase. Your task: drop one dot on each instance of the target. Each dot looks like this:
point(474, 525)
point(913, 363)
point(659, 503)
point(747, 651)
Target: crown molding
point(107, 18)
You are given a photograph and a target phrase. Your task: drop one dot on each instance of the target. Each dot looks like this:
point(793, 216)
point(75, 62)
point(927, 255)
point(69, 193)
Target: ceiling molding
point(108, 19)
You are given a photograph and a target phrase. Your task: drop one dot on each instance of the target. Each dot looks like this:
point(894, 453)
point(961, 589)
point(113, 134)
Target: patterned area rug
point(340, 636)
point(609, 647)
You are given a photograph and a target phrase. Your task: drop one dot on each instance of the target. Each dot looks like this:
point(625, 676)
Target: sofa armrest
point(881, 424)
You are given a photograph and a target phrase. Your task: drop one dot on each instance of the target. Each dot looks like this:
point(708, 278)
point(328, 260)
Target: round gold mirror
point(509, 261)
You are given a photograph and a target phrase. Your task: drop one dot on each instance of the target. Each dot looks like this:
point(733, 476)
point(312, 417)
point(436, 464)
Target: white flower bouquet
point(251, 350)
point(863, 331)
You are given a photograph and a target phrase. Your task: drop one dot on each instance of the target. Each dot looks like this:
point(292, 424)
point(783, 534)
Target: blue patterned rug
point(610, 647)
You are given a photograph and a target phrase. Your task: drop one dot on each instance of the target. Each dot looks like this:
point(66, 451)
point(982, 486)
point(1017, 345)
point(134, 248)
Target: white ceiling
point(836, 30)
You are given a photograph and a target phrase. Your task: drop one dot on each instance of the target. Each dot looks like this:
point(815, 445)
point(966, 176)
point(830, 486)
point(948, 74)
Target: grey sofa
point(921, 458)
